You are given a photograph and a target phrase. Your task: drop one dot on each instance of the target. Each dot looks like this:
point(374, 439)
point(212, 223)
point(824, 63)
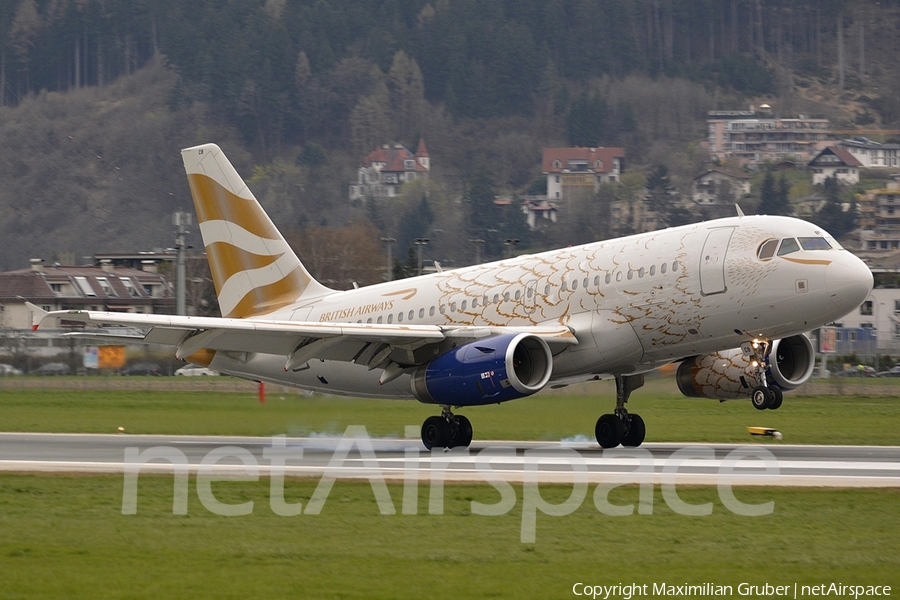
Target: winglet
point(37, 313)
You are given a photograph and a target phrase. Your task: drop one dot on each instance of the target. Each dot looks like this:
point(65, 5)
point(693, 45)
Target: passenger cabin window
point(814, 243)
point(788, 246)
point(767, 249)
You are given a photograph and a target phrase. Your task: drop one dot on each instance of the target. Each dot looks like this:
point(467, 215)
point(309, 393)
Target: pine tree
point(774, 198)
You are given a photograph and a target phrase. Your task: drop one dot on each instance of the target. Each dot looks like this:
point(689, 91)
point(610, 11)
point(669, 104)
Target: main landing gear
point(447, 430)
point(763, 395)
point(622, 427)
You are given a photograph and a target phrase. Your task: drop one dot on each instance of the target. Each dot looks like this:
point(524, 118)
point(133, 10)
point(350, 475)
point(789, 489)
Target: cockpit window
point(814, 243)
point(788, 246)
point(767, 250)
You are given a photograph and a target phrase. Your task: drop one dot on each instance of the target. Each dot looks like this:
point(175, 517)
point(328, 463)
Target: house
point(717, 186)
point(872, 155)
point(538, 209)
point(576, 170)
point(834, 161)
point(384, 170)
point(874, 327)
point(753, 137)
point(58, 287)
point(879, 219)
point(808, 206)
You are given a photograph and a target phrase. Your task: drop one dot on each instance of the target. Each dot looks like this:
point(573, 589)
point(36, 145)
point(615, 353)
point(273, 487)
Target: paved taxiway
point(391, 458)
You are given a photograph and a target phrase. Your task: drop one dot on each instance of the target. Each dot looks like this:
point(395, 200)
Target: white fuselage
point(634, 303)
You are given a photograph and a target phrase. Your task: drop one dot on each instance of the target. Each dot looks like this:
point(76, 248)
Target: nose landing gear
point(763, 395)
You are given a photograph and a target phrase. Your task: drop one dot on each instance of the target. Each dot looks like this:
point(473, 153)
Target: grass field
point(65, 536)
point(547, 416)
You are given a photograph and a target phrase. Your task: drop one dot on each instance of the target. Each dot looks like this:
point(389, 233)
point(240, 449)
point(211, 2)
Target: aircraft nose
point(848, 281)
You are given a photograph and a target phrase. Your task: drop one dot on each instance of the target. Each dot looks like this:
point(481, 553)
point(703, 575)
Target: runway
point(396, 459)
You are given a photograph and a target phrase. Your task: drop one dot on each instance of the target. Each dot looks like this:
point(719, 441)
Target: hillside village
point(857, 179)
point(382, 154)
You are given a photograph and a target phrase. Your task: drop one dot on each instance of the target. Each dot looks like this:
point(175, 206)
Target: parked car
point(892, 372)
point(53, 368)
point(6, 369)
point(142, 368)
point(866, 371)
point(196, 371)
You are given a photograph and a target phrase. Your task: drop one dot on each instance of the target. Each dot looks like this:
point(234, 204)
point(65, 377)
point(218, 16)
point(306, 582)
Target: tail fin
point(253, 268)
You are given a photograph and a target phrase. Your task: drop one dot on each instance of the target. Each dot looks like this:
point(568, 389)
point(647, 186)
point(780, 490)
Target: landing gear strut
point(622, 427)
point(763, 395)
point(447, 430)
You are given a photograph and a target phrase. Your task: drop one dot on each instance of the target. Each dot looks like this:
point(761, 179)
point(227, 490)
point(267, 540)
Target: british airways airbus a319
point(731, 299)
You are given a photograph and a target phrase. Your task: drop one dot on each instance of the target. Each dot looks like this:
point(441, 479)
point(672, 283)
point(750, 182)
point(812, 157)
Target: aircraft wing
point(299, 341)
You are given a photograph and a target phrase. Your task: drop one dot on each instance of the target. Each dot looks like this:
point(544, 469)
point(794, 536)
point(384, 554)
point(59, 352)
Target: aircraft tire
point(609, 431)
point(435, 433)
point(777, 398)
point(464, 432)
point(636, 432)
point(760, 398)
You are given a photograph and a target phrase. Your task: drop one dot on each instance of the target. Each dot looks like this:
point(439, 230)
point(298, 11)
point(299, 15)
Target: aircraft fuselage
point(634, 303)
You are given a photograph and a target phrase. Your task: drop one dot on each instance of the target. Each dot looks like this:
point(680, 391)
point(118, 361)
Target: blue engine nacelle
point(486, 371)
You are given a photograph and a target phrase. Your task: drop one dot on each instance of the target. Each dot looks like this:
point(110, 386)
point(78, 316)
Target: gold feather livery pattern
point(254, 270)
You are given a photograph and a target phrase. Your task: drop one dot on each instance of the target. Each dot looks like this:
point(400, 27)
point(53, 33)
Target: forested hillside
point(98, 96)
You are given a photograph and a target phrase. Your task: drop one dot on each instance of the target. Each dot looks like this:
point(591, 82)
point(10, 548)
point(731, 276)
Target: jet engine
point(485, 371)
point(731, 374)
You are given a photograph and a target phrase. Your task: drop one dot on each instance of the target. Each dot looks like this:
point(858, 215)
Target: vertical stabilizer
point(253, 268)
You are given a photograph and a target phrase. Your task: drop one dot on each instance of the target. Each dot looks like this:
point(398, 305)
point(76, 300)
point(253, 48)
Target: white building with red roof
point(574, 169)
point(835, 161)
point(384, 170)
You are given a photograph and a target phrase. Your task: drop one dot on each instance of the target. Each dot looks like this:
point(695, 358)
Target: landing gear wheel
point(760, 398)
point(464, 433)
point(435, 433)
point(609, 431)
point(777, 398)
point(636, 432)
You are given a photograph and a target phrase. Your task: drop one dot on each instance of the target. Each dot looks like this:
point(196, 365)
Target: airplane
point(731, 299)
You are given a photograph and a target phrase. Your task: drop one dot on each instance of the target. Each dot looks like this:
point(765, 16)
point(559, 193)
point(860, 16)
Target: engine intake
point(485, 371)
point(729, 375)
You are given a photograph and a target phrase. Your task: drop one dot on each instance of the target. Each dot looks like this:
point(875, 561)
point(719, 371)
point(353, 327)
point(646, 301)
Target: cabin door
point(712, 261)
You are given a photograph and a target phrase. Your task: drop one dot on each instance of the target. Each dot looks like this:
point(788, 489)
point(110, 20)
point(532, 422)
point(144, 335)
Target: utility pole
point(182, 222)
point(419, 242)
point(479, 246)
point(390, 246)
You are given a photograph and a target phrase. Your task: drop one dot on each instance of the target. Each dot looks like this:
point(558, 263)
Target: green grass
point(547, 416)
point(65, 536)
